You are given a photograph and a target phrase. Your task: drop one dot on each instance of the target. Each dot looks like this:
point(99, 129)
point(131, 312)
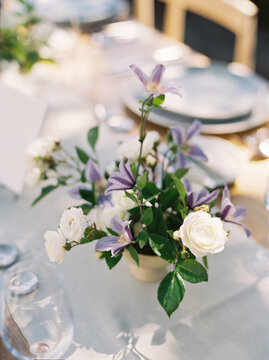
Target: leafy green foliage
point(88, 195)
point(171, 292)
point(150, 190)
point(158, 225)
point(131, 196)
point(147, 216)
point(163, 247)
point(180, 188)
point(91, 234)
point(45, 191)
point(158, 100)
point(192, 271)
point(141, 181)
point(93, 136)
point(112, 260)
point(143, 238)
point(180, 173)
point(134, 254)
point(82, 155)
point(205, 262)
point(168, 198)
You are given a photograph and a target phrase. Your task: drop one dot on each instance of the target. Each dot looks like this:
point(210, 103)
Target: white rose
point(120, 200)
point(33, 176)
point(54, 244)
point(102, 216)
point(41, 147)
point(130, 149)
point(73, 224)
point(203, 234)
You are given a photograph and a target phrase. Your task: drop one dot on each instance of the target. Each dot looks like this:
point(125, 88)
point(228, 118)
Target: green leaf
point(158, 100)
point(192, 271)
point(205, 262)
point(131, 196)
point(158, 225)
point(112, 261)
point(180, 188)
point(180, 173)
point(149, 190)
point(143, 238)
point(82, 155)
point(45, 191)
point(184, 212)
point(135, 212)
point(134, 254)
point(162, 247)
point(141, 181)
point(171, 292)
point(86, 208)
point(88, 195)
point(91, 234)
point(168, 198)
point(147, 216)
point(93, 136)
point(112, 232)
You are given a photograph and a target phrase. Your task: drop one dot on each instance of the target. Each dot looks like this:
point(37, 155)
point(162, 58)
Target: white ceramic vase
point(151, 268)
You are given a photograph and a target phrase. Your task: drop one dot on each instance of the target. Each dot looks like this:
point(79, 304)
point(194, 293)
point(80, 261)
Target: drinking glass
point(37, 320)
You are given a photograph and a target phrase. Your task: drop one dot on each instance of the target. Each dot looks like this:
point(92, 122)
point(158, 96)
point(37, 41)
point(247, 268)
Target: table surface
point(117, 317)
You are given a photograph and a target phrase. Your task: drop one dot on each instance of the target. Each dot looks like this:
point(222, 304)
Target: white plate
point(165, 118)
point(224, 162)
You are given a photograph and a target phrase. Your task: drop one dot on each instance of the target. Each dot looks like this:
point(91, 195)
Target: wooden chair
point(238, 16)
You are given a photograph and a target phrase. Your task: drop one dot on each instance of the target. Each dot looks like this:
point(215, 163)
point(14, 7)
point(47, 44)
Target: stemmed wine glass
point(37, 320)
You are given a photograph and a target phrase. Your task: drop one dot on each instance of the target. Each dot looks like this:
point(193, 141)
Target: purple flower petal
point(197, 153)
point(182, 161)
point(240, 212)
point(139, 73)
point(247, 230)
point(122, 179)
point(106, 243)
point(171, 89)
point(226, 192)
point(177, 134)
point(157, 73)
point(117, 224)
point(208, 198)
point(227, 208)
point(92, 172)
point(117, 248)
point(187, 185)
point(194, 129)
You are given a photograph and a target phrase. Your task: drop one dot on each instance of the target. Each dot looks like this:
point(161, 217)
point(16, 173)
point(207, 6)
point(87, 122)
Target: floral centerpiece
point(18, 43)
point(145, 205)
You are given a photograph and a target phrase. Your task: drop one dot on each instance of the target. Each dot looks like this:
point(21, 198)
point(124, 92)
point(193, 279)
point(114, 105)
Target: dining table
point(117, 317)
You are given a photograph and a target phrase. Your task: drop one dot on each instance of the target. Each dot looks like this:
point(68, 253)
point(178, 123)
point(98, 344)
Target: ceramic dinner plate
point(84, 12)
point(238, 103)
point(223, 165)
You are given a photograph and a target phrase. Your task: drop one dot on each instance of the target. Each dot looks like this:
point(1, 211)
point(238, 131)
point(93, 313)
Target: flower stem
point(145, 111)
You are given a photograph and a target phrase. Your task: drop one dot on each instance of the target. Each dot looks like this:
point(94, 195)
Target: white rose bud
point(203, 234)
point(42, 147)
point(151, 160)
point(33, 176)
point(73, 224)
point(54, 244)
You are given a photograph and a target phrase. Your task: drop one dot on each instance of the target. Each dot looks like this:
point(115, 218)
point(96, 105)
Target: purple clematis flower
point(122, 179)
point(182, 137)
point(153, 83)
point(232, 214)
point(115, 243)
point(199, 198)
point(92, 172)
